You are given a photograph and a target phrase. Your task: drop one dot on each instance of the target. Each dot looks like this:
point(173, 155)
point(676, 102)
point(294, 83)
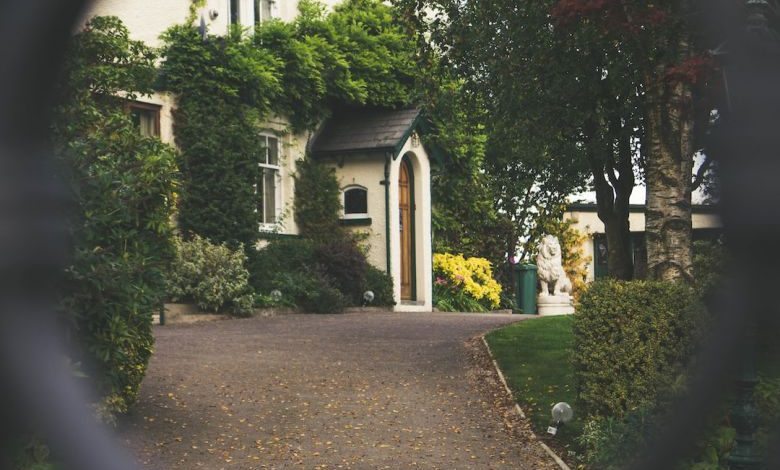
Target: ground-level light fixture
point(562, 413)
point(368, 297)
point(276, 295)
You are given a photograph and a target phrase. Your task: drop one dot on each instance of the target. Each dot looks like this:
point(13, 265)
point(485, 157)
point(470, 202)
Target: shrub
point(343, 263)
point(610, 443)
point(303, 270)
point(122, 185)
point(465, 278)
point(632, 341)
point(317, 201)
point(213, 276)
point(280, 256)
point(709, 262)
point(381, 284)
point(310, 290)
point(447, 299)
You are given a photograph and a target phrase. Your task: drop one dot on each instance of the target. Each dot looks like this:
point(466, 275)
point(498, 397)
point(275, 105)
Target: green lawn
point(534, 357)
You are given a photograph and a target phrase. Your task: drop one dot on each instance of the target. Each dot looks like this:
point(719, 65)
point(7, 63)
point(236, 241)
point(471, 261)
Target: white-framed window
point(265, 10)
point(355, 202)
point(269, 187)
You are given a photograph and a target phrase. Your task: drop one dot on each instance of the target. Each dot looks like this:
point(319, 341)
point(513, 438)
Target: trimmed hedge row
point(632, 341)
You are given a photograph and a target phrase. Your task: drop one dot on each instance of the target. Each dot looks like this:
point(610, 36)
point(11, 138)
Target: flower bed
point(464, 284)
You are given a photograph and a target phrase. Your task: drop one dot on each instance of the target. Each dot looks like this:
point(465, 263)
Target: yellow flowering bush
point(470, 276)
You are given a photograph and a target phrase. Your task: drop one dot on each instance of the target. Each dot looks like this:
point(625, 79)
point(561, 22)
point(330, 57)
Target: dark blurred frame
point(36, 392)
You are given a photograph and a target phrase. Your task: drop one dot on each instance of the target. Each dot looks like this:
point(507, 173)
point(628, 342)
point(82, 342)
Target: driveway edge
point(519, 410)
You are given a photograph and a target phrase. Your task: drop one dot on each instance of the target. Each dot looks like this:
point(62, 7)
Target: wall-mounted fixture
point(213, 14)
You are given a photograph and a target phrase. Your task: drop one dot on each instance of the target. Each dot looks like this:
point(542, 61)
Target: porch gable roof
point(367, 130)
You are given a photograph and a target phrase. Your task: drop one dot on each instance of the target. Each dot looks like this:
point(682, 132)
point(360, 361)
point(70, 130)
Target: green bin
point(525, 288)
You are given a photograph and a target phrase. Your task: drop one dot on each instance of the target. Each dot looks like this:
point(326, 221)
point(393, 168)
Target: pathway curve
point(359, 391)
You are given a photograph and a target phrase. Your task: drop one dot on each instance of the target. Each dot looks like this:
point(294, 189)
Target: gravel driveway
point(360, 391)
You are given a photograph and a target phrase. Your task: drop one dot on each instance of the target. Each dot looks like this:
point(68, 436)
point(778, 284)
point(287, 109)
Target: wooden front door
point(406, 206)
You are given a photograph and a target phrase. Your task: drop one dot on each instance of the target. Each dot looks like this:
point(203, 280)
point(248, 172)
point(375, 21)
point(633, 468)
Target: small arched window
point(355, 203)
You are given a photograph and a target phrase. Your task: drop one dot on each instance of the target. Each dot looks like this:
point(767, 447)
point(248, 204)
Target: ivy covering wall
point(228, 86)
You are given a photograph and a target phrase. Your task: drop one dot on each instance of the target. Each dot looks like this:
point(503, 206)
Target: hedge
point(632, 342)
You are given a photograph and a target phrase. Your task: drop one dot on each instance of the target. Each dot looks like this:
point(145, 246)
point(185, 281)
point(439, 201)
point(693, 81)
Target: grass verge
point(534, 356)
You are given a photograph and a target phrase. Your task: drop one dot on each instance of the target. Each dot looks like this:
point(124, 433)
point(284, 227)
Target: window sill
point(361, 222)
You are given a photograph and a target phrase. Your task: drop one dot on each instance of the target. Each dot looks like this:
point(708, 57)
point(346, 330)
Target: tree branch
point(701, 173)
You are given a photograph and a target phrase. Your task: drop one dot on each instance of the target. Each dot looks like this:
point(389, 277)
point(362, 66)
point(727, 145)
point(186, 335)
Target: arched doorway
point(406, 228)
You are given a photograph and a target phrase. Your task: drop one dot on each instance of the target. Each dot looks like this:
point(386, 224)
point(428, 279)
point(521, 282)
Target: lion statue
point(550, 264)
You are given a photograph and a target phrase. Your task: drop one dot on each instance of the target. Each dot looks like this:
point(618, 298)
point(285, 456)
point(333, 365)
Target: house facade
point(705, 220)
point(382, 166)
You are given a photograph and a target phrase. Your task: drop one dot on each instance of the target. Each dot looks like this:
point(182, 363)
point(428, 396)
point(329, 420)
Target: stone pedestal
point(549, 305)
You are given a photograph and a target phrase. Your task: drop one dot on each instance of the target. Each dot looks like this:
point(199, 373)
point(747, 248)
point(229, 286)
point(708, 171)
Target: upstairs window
point(235, 16)
point(355, 203)
point(145, 117)
point(269, 185)
point(265, 10)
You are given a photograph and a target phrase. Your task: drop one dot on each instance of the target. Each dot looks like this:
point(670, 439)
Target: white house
point(383, 168)
point(705, 220)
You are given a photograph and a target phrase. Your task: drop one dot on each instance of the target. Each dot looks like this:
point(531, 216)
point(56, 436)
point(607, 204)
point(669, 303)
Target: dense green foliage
point(212, 276)
point(319, 277)
point(503, 179)
point(317, 201)
point(342, 262)
point(228, 86)
point(381, 284)
point(632, 342)
point(122, 185)
point(224, 86)
point(709, 264)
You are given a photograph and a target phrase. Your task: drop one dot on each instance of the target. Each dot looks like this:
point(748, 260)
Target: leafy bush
point(303, 270)
point(279, 256)
point(447, 299)
point(309, 290)
point(213, 276)
point(381, 284)
point(709, 262)
point(459, 280)
point(610, 443)
point(122, 184)
point(317, 201)
point(343, 263)
point(632, 341)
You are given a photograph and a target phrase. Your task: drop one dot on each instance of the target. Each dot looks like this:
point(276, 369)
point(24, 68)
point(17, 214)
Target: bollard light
point(561, 414)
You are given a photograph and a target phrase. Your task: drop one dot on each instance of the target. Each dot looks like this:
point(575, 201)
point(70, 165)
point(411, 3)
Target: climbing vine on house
point(227, 86)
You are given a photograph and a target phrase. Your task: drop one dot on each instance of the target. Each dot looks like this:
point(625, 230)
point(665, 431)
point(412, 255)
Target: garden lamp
point(368, 297)
point(562, 413)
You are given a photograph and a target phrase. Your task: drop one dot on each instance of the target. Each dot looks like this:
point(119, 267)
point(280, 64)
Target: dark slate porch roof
point(366, 130)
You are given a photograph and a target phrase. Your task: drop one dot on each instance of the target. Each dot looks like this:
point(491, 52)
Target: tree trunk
point(669, 126)
point(620, 264)
point(613, 192)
